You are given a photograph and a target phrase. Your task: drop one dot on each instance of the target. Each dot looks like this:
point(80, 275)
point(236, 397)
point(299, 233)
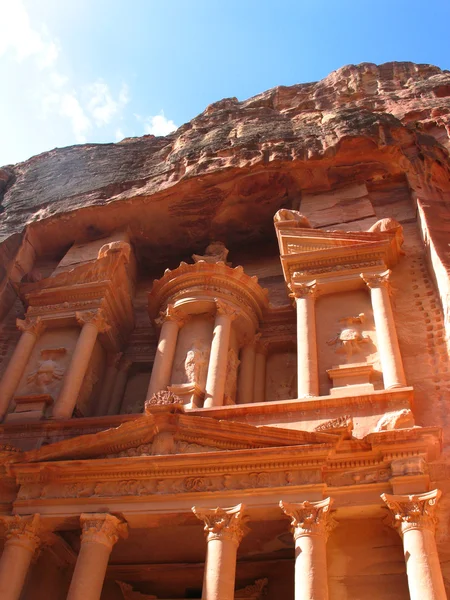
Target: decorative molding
point(305, 290)
point(163, 399)
point(225, 524)
point(310, 518)
point(413, 512)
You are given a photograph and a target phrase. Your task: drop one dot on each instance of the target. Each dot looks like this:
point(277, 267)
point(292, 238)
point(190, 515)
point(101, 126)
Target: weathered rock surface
point(380, 132)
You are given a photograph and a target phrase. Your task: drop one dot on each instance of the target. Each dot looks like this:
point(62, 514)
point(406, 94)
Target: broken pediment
point(310, 253)
point(165, 432)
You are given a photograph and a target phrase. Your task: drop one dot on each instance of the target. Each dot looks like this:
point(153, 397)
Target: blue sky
point(75, 71)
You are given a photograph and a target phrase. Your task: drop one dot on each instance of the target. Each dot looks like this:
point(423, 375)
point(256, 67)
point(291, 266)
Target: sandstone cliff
point(224, 174)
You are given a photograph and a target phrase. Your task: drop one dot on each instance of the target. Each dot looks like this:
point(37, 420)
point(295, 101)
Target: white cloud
point(18, 36)
point(71, 108)
point(119, 135)
point(102, 106)
point(157, 124)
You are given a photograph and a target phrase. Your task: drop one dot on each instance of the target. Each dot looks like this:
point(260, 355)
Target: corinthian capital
point(413, 512)
point(376, 280)
point(32, 325)
point(23, 530)
point(102, 528)
point(173, 314)
point(223, 523)
point(96, 317)
point(310, 518)
point(223, 308)
point(305, 289)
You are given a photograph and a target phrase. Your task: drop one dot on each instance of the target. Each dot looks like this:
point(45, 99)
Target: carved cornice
point(376, 280)
point(310, 518)
point(93, 317)
point(102, 528)
point(23, 531)
point(225, 524)
point(414, 511)
point(33, 325)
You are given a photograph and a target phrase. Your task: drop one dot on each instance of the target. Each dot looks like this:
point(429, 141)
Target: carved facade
point(247, 424)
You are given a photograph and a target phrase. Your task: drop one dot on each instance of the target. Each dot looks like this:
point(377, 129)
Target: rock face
point(382, 129)
point(244, 312)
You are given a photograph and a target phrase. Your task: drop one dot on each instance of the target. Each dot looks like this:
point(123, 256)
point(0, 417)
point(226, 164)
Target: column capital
point(24, 531)
point(223, 523)
point(310, 518)
point(96, 317)
point(307, 289)
point(102, 528)
point(33, 325)
point(172, 314)
point(223, 308)
point(376, 280)
point(416, 511)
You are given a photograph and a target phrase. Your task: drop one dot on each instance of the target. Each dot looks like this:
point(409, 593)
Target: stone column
point(22, 542)
point(99, 533)
point(224, 528)
point(388, 349)
point(93, 322)
point(307, 365)
point(217, 369)
point(172, 321)
point(31, 330)
point(311, 523)
point(120, 385)
point(109, 380)
point(259, 388)
point(414, 519)
point(246, 378)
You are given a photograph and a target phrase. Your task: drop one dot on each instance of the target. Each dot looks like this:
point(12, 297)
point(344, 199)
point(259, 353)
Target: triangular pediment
point(165, 432)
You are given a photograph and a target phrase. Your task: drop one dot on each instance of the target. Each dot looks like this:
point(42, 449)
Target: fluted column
point(311, 523)
point(31, 330)
point(246, 380)
point(217, 369)
point(259, 387)
point(224, 528)
point(120, 385)
point(109, 380)
point(414, 519)
point(22, 541)
point(99, 533)
point(388, 349)
point(93, 322)
point(172, 321)
point(307, 365)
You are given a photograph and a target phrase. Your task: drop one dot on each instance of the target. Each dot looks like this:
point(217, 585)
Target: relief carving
point(216, 252)
point(196, 363)
point(253, 592)
point(298, 220)
point(231, 380)
point(48, 371)
point(400, 419)
point(163, 399)
point(350, 339)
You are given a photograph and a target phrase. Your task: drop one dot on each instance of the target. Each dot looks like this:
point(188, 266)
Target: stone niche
point(346, 342)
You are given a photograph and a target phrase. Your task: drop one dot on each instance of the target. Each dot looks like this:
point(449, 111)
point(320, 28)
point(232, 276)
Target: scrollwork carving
point(33, 325)
point(102, 528)
point(94, 317)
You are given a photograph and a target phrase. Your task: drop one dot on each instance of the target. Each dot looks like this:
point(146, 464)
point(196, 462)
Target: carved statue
point(284, 214)
point(216, 252)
